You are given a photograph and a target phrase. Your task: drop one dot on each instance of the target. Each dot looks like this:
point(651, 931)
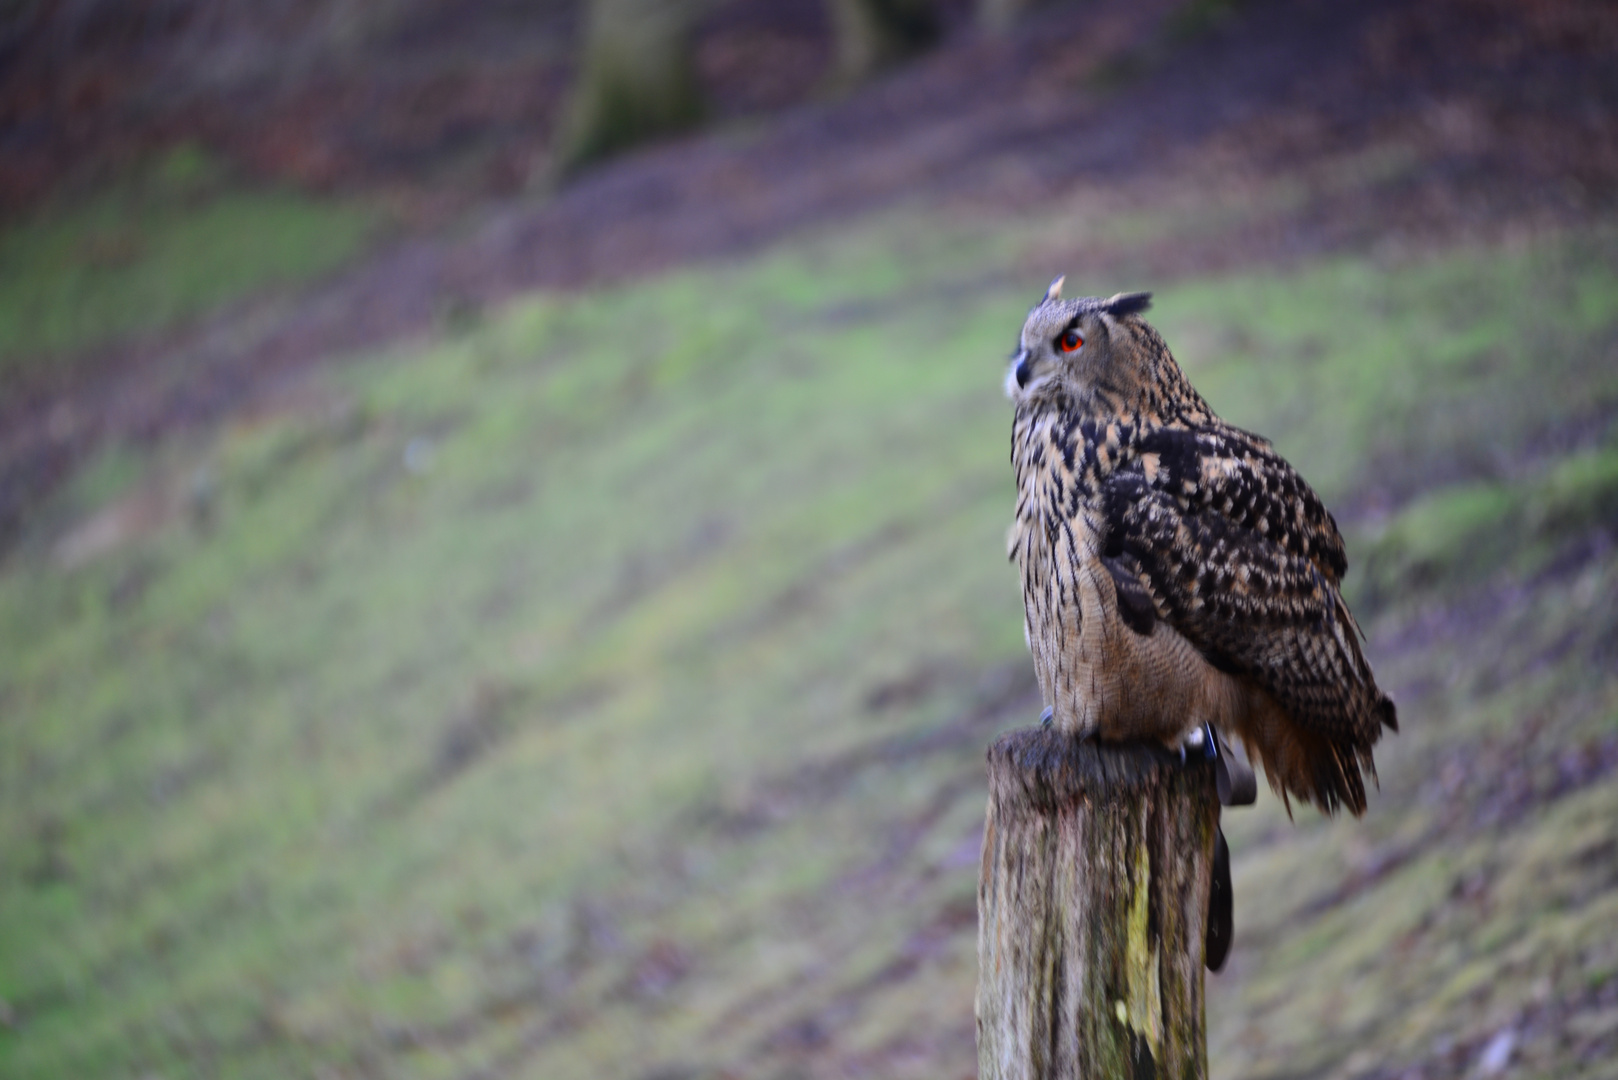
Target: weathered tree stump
point(1092, 909)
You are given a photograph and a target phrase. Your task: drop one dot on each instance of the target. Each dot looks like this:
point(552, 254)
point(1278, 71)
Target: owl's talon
point(1197, 739)
point(1046, 717)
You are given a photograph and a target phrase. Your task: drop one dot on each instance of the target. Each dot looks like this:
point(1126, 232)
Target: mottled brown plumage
point(1176, 571)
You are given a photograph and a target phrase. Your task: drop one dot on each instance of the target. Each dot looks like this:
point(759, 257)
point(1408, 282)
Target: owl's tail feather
point(1311, 766)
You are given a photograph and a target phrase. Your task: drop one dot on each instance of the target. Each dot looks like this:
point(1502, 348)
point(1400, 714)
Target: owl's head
point(1078, 344)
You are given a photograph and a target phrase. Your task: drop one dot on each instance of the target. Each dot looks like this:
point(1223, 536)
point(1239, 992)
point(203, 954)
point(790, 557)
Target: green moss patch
point(176, 240)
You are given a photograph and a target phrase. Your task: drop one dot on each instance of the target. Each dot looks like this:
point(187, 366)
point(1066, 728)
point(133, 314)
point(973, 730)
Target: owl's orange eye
point(1070, 341)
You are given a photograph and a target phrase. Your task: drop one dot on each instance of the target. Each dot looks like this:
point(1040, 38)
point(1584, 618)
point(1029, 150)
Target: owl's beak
point(1020, 369)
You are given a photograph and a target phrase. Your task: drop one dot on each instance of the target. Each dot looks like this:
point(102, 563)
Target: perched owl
point(1176, 571)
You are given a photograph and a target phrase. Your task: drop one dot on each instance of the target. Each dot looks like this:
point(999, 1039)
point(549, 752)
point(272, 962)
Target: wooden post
point(1092, 908)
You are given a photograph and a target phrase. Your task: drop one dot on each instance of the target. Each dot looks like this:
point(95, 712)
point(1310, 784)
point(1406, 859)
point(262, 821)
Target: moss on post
point(1092, 902)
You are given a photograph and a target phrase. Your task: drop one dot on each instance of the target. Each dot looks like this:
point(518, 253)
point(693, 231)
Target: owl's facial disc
point(1052, 344)
point(1071, 345)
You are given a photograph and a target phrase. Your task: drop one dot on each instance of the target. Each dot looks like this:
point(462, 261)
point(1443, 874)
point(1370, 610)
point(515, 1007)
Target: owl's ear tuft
point(1055, 291)
point(1127, 303)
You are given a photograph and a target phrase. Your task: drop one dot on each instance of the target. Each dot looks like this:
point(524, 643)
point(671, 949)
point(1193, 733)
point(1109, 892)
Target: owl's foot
point(1199, 744)
point(1233, 776)
point(1046, 717)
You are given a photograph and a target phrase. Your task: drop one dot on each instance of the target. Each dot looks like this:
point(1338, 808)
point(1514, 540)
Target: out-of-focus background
point(502, 516)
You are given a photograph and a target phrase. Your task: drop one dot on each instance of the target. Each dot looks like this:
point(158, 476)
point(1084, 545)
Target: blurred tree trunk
point(874, 34)
point(1002, 15)
point(637, 80)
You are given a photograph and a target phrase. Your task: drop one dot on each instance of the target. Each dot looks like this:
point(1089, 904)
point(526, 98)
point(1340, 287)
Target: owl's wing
point(1240, 476)
point(1240, 557)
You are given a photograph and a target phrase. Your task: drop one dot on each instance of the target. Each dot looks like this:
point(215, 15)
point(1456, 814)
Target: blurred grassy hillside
point(599, 687)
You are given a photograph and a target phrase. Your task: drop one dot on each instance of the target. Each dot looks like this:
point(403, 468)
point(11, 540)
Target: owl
point(1178, 575)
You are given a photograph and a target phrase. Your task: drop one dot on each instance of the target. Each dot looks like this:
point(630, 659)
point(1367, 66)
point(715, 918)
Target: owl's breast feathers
point(1203, 527)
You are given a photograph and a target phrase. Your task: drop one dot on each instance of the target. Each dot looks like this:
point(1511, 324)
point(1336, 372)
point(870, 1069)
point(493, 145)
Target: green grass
point(1466, 531)
point(515, 700)
point(168, 244)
